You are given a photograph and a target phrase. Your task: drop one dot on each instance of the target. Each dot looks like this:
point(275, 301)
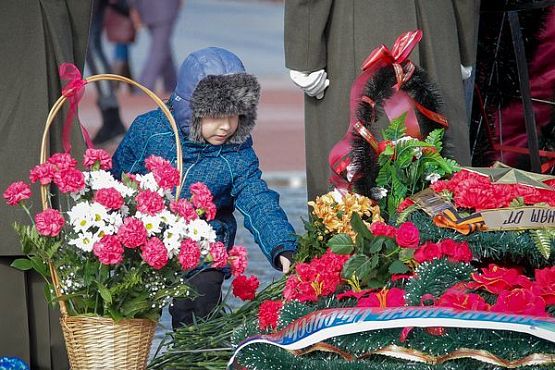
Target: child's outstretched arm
point(263, 215)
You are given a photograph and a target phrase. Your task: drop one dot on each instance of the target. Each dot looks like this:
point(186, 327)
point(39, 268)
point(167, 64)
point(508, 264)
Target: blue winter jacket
point(212, 82)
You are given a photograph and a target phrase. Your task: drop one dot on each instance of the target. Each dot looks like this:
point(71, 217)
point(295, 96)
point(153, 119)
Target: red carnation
point(17, 192)
point(154, 253)
point(62, 161)
point(189, 254)
point(268, 314)
point(245, 287)
point(407, 235)
point(69, 180)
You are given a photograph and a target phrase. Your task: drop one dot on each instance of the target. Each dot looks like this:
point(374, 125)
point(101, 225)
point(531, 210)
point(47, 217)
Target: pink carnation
point(43, 173)
point(62, 161)
point(166, 175)
point(155, 253)
point(17, 192)
point(69, 180)
point(108, 250)
point(149, 202)
point(132, 233)
point(184, 208)
point(49, 222)
point(189, 255)
point(109, 198)
point(201, 197)
point(219, 254)
point(238, 260)
point(245, 287)
point(100, 156)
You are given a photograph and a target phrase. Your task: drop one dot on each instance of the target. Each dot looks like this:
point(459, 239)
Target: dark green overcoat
point(339, 34)
point(35, 37)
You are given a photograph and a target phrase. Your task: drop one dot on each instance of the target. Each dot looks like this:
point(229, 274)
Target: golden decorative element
point(418, 356)
point(336, 210)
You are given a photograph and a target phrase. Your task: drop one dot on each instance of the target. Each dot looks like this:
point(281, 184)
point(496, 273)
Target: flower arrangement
point(120, 248)
point(408, 165)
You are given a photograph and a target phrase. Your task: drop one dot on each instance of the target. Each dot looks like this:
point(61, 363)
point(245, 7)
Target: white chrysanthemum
point(84, 241)
point(433, 177)
point(81, 216)
point(147, 182)
point(99, 214)
point(115, 218)
point(168, 217)
point(172, 241)
point(199, 229)
point(76, 196)
point(125, 191)
point(101, 180)
point(153, 224)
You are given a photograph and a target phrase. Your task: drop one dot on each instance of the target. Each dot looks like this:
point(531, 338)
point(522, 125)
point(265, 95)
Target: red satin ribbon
point(73, 91)
point(400, 51)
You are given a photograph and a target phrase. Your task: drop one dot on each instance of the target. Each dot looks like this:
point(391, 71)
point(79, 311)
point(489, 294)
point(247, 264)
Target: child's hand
point(285, 264)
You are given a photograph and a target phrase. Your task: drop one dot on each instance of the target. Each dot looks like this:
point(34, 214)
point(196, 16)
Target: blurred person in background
point(159, 17)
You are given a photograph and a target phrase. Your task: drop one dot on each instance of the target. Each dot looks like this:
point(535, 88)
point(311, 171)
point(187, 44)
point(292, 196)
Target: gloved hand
point(313, 84)
point(466, 72)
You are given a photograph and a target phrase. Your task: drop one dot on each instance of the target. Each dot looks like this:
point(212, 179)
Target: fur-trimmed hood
point(213, 82)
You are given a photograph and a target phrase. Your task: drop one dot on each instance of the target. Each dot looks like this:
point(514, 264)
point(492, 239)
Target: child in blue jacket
point(214, 105)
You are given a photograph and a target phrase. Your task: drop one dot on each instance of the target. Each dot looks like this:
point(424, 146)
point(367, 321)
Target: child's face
point(217, 130)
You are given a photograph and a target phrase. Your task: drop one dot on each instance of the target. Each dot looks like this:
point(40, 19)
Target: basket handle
point(44, 153)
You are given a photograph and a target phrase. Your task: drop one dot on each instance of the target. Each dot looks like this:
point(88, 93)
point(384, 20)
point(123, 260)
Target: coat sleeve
point(263, 216)
point(467, 13)
point(305, 34)
point(128, 158)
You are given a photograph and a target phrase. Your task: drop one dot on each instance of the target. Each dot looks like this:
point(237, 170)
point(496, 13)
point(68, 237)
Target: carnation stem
point(28, 213)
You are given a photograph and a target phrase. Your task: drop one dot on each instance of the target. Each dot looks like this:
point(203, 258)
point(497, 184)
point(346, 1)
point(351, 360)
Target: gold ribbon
point(450, 219)
point(418, 356)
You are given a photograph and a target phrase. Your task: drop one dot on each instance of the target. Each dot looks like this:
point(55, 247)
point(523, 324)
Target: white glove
point(466, 72)
point(313, 84)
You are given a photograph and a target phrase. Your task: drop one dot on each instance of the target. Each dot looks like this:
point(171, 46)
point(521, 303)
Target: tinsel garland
point(506, 345)
point(515, 248)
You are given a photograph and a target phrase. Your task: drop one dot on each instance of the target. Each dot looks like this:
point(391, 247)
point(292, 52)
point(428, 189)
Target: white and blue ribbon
point(324, 324)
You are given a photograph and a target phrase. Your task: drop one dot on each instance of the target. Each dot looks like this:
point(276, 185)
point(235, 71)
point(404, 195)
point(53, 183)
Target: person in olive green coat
point(337, 35)
point(35, 37)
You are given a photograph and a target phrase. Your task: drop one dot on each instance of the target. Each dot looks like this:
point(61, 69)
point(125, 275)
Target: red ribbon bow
point(400, 51)
point(73, 91)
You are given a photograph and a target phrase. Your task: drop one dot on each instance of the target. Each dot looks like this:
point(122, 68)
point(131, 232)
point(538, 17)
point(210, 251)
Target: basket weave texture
point(101, 343)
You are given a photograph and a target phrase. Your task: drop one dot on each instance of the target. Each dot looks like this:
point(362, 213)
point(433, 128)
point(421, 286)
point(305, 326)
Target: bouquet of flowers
point(119, 248)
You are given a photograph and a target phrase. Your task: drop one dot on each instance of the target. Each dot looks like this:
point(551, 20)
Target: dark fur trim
point(380, 88)
point(225, 95)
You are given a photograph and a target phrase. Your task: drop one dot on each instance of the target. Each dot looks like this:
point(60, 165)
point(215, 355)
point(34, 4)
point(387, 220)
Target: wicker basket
point(98, 342)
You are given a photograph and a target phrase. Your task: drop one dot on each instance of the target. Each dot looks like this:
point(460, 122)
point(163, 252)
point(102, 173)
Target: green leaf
point(542, 240)
point(396, 128)
point(104, 292)
point(358, 265)
point(22, 264)
point(436, 139)
point(398, 267)
point(376, 245)
point(406, 254)
point(360, 227)
point(341, 244)
point(40, 266)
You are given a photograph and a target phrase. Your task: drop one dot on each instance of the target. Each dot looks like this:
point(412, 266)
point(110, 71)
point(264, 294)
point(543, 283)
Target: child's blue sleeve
point(260, 207)
point(127, 157)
